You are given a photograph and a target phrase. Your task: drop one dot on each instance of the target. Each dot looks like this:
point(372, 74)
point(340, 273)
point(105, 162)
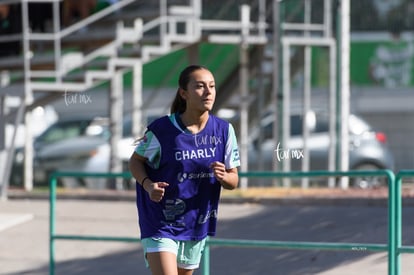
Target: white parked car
point(81, 154)
point(83, 149)
point(368, 149)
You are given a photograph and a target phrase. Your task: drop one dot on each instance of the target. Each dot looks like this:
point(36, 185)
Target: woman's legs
point(165, 263)
point(182, 271)
point(165, 256)
point(162, 263)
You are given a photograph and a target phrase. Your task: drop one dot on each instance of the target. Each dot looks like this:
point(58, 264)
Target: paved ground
point(24, 225)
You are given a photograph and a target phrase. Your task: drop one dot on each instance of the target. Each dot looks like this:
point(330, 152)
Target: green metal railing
point(52, 214)
point(392, 247)
point(398, 220)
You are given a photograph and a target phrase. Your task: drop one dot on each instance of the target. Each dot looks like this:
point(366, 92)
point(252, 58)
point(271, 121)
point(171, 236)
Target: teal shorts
point(188, 252)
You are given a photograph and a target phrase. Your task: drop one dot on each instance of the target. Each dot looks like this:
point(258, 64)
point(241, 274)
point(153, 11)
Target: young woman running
point(181, 164)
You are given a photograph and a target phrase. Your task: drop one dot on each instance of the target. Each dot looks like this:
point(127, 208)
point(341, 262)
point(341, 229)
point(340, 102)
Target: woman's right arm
point(137, 168)
point(154, 189)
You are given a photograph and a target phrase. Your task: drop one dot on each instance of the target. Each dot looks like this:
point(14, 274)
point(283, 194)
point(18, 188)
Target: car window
point(296, 122)
point(357, 125)
point(322, 124)
point(63, 131)
point(295, 127)
point(127, 128)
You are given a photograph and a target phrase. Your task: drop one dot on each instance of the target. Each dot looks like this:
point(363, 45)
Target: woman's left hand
point(228, 178)
point(219, 170)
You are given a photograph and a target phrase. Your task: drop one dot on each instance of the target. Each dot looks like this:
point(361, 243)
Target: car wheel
point(370, 181)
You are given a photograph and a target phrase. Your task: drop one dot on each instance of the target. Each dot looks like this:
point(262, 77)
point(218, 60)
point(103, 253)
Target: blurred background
point(80, 80)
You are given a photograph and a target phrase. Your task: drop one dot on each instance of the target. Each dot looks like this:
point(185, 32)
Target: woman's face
point(201, 91)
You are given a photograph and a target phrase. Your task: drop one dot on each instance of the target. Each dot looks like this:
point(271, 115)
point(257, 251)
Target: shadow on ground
point(348, 224)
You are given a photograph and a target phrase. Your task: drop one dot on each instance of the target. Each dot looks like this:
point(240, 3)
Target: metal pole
point(345, 87)
point(262, 18)
point(286, 113)
point(137, 119)
point(28, 98)
point(244, 78)
point(306, 98)
point(206, 259)
point(395, 215)
point(332, 95)
point(306, 115)
point(2, 122)
point(276, 78)
point(56, 41)
point(164, 19)
point(3, 151)
point(52, 227)
point(261, 87)
point(116, 113)
point(261, 109)
point(327, 18)
point(332, 111)
point(9, 153)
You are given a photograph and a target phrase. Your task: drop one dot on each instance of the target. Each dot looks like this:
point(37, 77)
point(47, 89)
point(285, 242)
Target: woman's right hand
point(156, 190)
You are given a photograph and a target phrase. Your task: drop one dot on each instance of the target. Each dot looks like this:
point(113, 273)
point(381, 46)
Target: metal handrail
point(95, 17)
point(52, 214)
point(68, 30)
point(400, 248)
point(390, 247)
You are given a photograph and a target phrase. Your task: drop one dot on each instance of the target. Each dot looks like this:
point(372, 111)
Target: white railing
point(170, 39)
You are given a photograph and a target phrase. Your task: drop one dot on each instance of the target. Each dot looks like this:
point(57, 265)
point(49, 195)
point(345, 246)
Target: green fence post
point(398, 223)
point(393, 246)
point(52, 203)
point(391, 223)
point(206, 258)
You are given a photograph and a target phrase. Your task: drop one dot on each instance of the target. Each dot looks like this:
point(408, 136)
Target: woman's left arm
point(228, 178)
